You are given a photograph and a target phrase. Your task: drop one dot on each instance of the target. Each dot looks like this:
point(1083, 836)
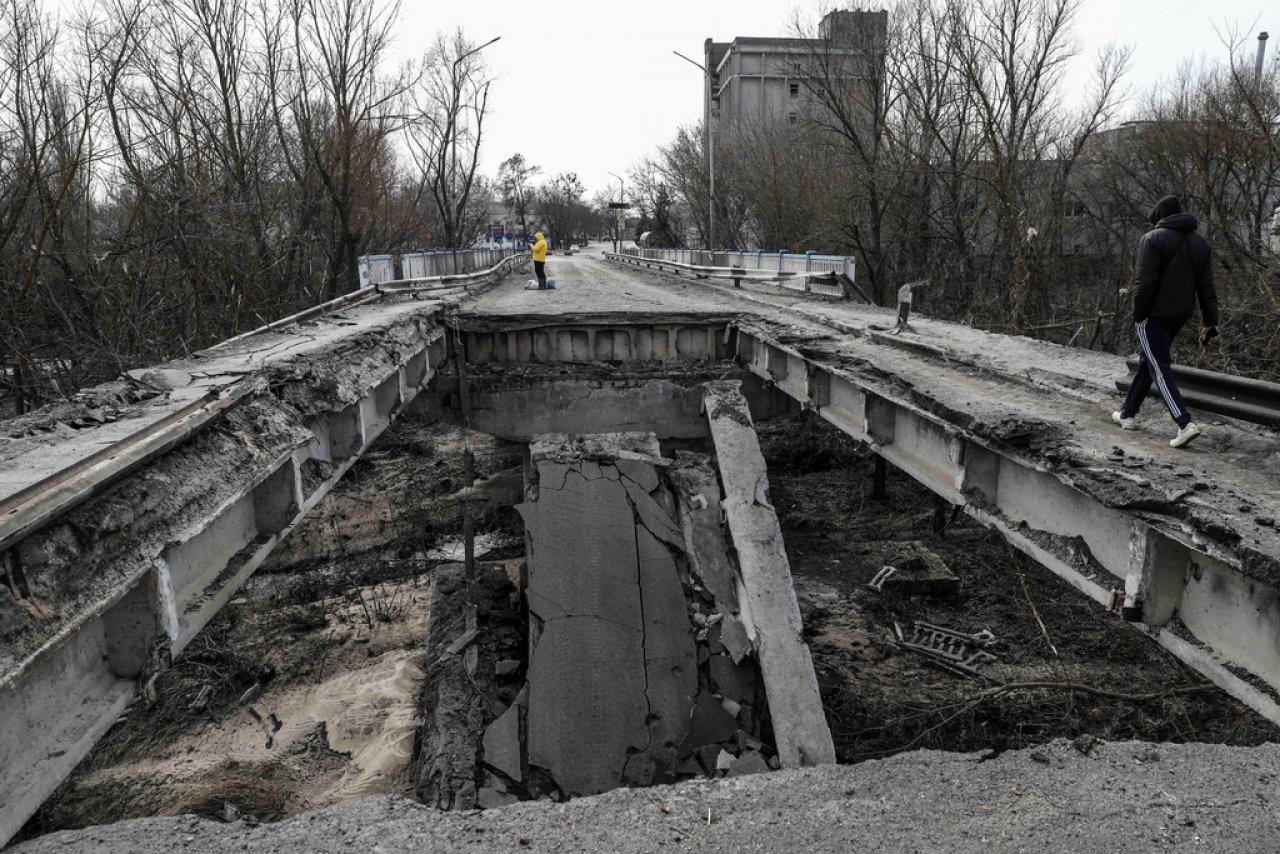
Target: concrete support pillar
point(879, 479)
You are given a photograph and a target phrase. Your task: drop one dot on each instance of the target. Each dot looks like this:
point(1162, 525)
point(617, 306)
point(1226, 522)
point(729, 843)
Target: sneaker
point(1185, 435)
point(1125, 423)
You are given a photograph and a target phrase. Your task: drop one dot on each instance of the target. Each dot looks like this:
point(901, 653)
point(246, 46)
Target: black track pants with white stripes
point(1154, 338)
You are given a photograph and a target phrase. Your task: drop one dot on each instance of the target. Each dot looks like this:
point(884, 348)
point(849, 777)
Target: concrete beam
point(795, 705)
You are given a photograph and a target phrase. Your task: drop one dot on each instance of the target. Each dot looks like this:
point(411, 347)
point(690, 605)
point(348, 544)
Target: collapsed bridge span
point(97, 596)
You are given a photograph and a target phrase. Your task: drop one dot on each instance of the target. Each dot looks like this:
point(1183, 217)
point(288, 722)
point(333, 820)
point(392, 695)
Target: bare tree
point(448, 129)
point(514, 176)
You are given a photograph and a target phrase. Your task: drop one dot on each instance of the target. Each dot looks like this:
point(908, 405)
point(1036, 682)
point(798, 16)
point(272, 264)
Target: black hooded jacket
point(1174, 272)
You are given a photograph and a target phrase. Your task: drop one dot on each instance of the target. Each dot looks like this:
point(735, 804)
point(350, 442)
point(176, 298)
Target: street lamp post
point(710, 142)
point(622, 197)
point(455, 108)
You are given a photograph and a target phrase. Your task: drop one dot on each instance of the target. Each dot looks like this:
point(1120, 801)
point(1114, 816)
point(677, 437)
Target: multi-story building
point(769, 79)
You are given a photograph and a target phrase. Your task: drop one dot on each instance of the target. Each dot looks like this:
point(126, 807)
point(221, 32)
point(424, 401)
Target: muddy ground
point(333, 632)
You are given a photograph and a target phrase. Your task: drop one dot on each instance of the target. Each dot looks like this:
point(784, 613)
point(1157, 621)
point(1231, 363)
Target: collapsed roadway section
point(113, 562)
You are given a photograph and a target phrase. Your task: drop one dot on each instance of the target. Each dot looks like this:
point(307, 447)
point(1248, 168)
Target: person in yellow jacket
point(539, 250)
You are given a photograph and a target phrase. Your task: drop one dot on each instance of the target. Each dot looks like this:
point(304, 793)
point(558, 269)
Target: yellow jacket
point(539, 247)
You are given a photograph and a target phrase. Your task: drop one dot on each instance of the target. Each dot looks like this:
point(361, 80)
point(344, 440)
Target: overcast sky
point(591, 87)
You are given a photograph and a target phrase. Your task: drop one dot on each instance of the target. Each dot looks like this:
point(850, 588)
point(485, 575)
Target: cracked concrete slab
point(669, 655)
point(614, 661)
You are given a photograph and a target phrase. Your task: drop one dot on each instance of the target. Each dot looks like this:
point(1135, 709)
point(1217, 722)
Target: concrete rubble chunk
point(462, 641)
point(489, 798)
point(918, 570)
point(791, 686)
point(710, 725)
point(749, 762)
point(734, 637)
point(732, 680)
point(698, 502)
point(502, 743)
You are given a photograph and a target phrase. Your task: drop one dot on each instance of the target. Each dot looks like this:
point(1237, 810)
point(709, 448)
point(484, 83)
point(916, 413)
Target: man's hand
point(1209, 335)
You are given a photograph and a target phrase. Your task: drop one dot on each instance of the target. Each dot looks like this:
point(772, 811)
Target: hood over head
point(1168, 206)
point(538, 235)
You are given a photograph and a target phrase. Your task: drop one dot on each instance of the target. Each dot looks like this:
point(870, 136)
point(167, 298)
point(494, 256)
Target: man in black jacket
point(1174, 273)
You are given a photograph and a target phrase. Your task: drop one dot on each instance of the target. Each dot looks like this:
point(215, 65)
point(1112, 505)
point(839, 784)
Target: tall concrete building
point(764, 79)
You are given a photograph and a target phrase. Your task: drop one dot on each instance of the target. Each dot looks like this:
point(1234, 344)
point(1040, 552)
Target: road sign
point(622, 218)
point(619, 206)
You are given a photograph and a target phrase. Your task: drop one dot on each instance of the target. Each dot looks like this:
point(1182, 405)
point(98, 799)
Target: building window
point(793, 118)
point(795, 90)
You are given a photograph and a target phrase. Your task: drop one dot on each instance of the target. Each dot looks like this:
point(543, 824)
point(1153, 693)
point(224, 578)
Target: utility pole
point(622, 198)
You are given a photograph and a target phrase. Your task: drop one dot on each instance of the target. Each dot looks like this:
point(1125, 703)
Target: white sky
point(592, 87)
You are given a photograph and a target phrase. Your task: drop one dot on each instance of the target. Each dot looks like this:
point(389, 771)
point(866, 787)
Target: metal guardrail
point(780, 262)
point(429, 263)
point(822, 282)
point(1256, 401)
point(382, 289)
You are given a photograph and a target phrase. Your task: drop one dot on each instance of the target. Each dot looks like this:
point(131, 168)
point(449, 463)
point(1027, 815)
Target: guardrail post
point(738, 273)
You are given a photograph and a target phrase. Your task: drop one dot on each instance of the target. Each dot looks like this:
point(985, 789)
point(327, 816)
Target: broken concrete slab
point(799, 725)
point(669, 655)
point(502, 743)
point(698, 502)
point(612, 671)
point(587, 706)
point(654, 516)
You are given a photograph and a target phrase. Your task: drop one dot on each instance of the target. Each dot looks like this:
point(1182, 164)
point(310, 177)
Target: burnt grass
point(1085, 674)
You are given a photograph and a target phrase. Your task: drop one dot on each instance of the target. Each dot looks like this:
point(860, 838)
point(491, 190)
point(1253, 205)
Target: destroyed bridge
point(130, 516)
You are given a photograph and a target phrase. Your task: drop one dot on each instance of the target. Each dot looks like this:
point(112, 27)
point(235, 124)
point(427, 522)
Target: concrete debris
point(710, 724)
point(489, 798)
point(462, 641)
point(749, 762)
point(724, 760)
point(916, 571)
point(506, 667)
point(948, 649)
point(502, 743)
point(201, 701)
point(455, 704)
point(733, 634)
